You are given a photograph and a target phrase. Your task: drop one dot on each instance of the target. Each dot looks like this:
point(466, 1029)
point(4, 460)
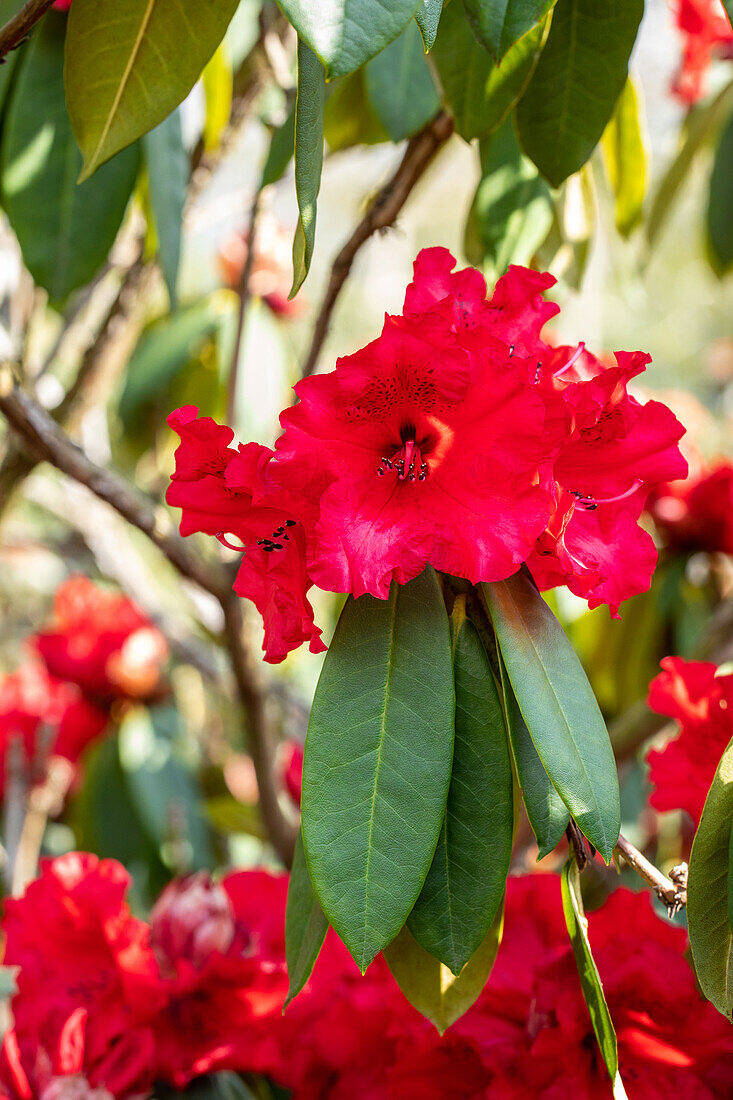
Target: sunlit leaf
point(625, 159)
point(218, 87)
point(308, 158)
point(427, 17)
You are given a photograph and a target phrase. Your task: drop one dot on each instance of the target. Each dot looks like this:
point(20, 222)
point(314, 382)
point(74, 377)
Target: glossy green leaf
point(625, 159)
point(280, 153)
point(590, 979)
point(703, 122)
point(305, 924)
point(65, 231)
point(709, 919)
point(548, 815)
point(720, 204)
point(160, 49)
point(308, 158)
point(348, 117)
point(512, 209)
point(479, 93)
point(377, 761)
point(467, 878)
point(400, 85)
point(441, 996)
point(427, 17)
point(558, 706)
point(346, 33)
point(579, 77)
point(168, 171)
point(498, 24)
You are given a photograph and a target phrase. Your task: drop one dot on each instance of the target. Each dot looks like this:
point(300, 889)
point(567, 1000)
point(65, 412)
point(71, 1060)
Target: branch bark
point(48, 442)
point(382, 213)
point(17, 28)
point(672, 891)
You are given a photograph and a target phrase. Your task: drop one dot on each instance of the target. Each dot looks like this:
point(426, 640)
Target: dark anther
point(290, 523)
point(277, 546)
point(380, 471)
point(511, 349)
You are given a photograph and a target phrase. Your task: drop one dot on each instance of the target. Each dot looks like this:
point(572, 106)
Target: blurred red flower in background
point(272, 269)
point(701, 701)
point(705, 30)
point(697, 514)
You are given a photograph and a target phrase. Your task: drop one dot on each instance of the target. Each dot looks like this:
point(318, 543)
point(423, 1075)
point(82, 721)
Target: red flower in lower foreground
point(705, 29)
point(697, 514)
point(222, 491)
point(702, 702)
point(103, 642)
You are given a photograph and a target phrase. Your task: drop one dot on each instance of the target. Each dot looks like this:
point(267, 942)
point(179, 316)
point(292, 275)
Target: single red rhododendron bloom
point(227, 493)
point(62, 5)
point(103, 642)
point(292, 770)
point(701, 701)
point(49, 719)
point(697, 514)
point(705, 30)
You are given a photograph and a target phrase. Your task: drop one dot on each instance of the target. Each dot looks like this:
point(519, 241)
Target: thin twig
point(673, 892)
point(44, 801)
point(46, 439)
point(381, 213)
point(244, 293)
point(576, 840)
point(20, 26)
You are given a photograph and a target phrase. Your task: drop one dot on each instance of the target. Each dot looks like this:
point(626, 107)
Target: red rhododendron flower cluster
point(701, 700)
point(705, 30)
point(108, 1004)
point(697, 514)
point(458, 438)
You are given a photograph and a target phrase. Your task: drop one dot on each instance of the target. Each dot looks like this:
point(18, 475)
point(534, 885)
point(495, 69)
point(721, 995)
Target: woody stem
point(673, 893)
point(17, 28)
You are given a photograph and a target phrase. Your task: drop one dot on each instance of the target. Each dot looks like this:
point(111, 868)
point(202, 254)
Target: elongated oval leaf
point(346, 33)
point(498, 24)
point(429, 985)
point(305, 924)
point(400, 86)
point(427, 18)
point(548, 815)
point(578, 79)
point(65, 231)
point(168, 170)
point(480, 93)
point(558, 706)
point(709, 918)
point(280, 153)
point(308, 158)
point(377, 762)
point(590, 979)
point(467, 878)
point(623, 153)
point(129, 64)
point(720, 204)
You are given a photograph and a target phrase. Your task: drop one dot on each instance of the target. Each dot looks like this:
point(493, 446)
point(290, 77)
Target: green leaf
point(377, 761)
point(8, 8)
point(548, 815)
point(348, 117)
point(429, 985)
point(346, 33)
point(590, 979)
point(558, 706)
point(400, 86)
point(512, 209)
point(427, 17)
point(625, 158)
point(479, 93)
point(728, 5)
point(703, 122)
point(305, 924)
point(168, 171)
point(467, 879)
point(720, 204)
point(218, 84)
point(709, 918)
point(498, 24)
point(280, 153)
point(65, 231)
point(117, 94)
point(578, 79)
point(308, 158)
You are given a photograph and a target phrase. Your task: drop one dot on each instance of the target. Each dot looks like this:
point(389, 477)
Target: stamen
point(590, 503)
point(573, 359)
point(407, 463)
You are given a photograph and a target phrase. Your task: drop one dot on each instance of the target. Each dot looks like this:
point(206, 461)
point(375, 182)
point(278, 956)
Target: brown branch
point(381, 213)
point(20, 26)
point(244, 293)
point(672, 891)
point(48, 442)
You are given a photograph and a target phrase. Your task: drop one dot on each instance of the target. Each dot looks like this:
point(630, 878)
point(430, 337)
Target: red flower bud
point(192, 919)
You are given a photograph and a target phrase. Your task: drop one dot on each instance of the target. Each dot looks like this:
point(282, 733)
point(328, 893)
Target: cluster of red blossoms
point(99, 648)
point(108, 1004)
point(697, 514)
point(706, 32)
point(700, 698)
point(458, 438)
